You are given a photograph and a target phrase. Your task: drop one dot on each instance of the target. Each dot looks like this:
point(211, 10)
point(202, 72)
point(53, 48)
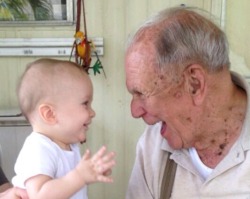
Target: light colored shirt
point(40, 155)
point(200, 166)
point(230, 179)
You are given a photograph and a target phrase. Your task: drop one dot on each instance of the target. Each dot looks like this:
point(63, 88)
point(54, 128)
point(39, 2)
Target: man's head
point(168, 62)
point(180, 36)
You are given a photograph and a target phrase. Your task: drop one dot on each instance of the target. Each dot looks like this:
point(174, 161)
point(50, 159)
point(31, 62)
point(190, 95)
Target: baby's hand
point(97, 168)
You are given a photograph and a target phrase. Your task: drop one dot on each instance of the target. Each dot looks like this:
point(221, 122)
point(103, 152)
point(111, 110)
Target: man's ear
point(47, 113)
point(196, 82)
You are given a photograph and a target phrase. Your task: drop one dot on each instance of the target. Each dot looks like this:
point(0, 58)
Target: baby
point(55, 97)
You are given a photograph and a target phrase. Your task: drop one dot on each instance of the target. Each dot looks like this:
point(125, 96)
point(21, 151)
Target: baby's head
point(56, 95)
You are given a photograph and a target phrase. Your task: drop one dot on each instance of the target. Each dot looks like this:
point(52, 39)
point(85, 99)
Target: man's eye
point(137, 93)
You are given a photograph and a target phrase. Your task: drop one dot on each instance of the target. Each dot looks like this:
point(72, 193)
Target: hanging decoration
point(83, 46)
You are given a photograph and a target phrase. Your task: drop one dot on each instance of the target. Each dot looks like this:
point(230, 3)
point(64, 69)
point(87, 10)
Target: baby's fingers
point(86, 155)
point(102, 178)
point(104, 167)
point(99, 154)
point(106, 162)
point(108, 172)
point(106, 158)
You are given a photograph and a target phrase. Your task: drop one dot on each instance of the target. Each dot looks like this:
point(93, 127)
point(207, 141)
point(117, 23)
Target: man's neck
point(222, 126)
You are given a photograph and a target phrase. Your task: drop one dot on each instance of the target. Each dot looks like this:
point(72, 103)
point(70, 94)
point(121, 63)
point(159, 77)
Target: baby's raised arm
point(90, 169)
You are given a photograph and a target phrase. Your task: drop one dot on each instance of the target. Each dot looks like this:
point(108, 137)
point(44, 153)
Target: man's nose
point(137, 109)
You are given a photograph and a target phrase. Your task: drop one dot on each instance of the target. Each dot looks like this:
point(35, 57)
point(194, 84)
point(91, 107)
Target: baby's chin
point(82, 142)
point(82, 139)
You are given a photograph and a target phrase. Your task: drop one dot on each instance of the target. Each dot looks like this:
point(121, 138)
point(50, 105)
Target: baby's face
point(74, 111)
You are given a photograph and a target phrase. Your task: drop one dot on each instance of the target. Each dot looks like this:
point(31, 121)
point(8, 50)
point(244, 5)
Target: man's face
point(155, 97)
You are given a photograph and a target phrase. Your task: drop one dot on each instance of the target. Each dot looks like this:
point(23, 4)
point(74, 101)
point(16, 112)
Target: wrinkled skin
point(198, 109)
point(154, 98)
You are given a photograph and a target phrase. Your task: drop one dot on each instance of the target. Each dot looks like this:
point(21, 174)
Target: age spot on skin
point(212, 141)
point(222, 146)
point(161, 77)
point(189, 119)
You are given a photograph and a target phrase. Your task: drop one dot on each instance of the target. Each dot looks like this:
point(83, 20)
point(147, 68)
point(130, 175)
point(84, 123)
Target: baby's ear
point(47, 113)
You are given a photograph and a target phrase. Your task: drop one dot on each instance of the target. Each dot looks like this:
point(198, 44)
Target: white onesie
point(40, 155)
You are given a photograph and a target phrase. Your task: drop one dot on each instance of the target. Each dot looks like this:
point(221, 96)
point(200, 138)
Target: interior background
point(114, 20)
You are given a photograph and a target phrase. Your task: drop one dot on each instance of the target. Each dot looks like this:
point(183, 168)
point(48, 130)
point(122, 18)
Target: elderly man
point(177, 71)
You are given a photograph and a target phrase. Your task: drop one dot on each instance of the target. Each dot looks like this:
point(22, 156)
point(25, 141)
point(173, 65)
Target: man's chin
point(173, 143)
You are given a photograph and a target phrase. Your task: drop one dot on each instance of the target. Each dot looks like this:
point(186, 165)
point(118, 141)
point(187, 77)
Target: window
point(36, 12)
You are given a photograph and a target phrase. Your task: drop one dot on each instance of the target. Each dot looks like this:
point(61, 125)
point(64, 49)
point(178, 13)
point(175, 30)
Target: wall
point(113, 124)
point(237, 29)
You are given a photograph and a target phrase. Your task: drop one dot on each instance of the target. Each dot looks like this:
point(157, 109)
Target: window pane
point(35, 10)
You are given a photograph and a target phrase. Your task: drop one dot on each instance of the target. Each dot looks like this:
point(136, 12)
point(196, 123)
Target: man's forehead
point(145, 81)
point(143, 55)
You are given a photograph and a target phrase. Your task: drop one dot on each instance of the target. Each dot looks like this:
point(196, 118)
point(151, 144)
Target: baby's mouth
point(86, 124)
